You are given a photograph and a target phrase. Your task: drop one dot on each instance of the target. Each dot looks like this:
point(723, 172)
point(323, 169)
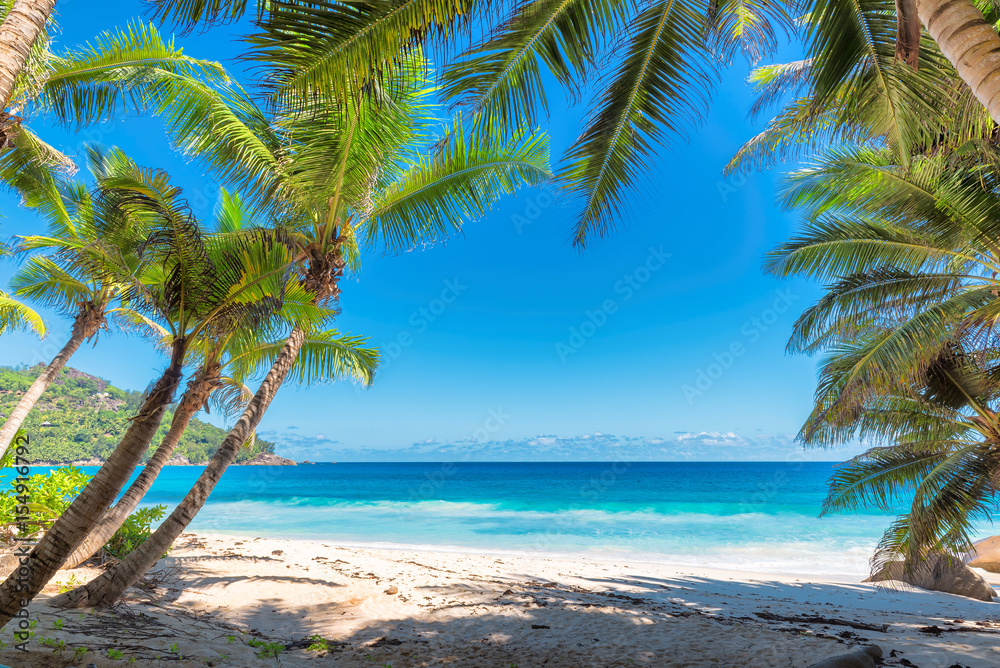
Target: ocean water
point(760, 516)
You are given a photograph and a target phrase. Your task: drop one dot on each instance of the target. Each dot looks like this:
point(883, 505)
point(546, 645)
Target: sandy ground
point(223, 601)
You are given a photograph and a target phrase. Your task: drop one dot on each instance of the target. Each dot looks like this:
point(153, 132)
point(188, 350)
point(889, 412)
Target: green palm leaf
point(16, 316)
point(458, 183)
point(136, 64)
point(500, 78)
point(660, 89)
point(332, 51)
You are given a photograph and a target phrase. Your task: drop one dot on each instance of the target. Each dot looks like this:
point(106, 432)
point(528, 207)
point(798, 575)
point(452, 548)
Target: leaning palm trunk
point(970, 43)
point(59, 542)
point(87, 322)
point(108, 587)
point(21, 27)
point(189, 405)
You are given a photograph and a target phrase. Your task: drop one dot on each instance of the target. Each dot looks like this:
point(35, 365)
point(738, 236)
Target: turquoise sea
point(759, 516)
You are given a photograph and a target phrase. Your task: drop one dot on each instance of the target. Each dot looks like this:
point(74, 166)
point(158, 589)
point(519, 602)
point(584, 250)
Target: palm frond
point(14, 315)
point(326, 356)
point(333, 51)
point(458, 183)
point(660, 90)
point(134, 65)
point(187, 14)
point(500, 79)
point(46, 282)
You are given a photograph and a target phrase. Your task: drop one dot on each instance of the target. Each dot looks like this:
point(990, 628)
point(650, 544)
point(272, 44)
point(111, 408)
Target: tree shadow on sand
point(519, 620)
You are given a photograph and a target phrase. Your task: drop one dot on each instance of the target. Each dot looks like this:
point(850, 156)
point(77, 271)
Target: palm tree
point(196, 287)
point(335, 357)
point(852, 89)
point(23, 31)
point(121, 69)
point(936, 449)
point(970, 43)
point(225, 362)
point(347, 178)
point(84, 85)
point(77, 277)
point(908, 321)
point(656, 62)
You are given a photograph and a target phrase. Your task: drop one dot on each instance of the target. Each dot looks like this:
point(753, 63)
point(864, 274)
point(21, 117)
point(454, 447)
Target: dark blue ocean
point(746, 515)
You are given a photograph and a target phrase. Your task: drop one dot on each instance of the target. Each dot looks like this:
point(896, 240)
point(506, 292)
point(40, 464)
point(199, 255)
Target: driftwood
point(816, 619)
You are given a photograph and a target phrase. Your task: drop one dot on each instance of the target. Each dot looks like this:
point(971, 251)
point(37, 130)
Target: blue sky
point(668, 326)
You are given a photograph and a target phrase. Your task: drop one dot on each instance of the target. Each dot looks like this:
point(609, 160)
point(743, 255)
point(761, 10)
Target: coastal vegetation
point(330, 180)
point(899, 202)
point(81, 417)
point(344, 148)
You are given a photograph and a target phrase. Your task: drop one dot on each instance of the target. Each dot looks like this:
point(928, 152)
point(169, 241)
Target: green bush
point(134, 531)
point(49, 494)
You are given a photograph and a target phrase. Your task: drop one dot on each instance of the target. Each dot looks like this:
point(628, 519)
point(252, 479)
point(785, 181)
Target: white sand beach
point(218, 600)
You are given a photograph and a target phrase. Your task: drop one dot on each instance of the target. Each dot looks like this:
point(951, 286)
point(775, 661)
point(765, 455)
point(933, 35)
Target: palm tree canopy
point(654, 63)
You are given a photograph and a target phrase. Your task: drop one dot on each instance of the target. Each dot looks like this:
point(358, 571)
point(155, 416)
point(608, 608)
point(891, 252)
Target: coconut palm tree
point(323, 356)
point(937, 450)
point(196, 287)
point(130, 68)
point(852, 88)
point(77, 277)
point(656, 62)
point(225, 362)
point(969, 42)
point(907, 321)
point(357, 177)
point(22, 34)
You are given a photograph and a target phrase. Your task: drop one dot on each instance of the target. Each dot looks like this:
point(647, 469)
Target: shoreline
point(222, 598)
point(651, 559)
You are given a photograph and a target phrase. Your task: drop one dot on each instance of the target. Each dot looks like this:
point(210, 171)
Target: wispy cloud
point(679, 446)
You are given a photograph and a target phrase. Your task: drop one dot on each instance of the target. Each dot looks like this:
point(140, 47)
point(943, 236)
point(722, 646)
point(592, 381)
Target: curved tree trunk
point(86, 510)
point(21, 27)
point(193, 400)
point(108, 587)
point(86, 324)
point(970, 43)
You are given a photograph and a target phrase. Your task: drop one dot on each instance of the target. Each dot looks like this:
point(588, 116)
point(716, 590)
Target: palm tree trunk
point(970, 43)
point(20, 28)
point(71, 528)
point(108, 587)
point(193, 400)
point(86, 324)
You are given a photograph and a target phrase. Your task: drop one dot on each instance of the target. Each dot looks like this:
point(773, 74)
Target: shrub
point(134, 531)
point(47, 495)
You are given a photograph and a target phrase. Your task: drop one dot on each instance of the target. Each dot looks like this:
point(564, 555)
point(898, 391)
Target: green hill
point(83, 417)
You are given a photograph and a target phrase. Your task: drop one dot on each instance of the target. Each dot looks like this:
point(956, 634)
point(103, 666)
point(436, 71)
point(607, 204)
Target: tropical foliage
point(86, 416)
point(653, 64)
point(899, 201)
point(48, 495)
